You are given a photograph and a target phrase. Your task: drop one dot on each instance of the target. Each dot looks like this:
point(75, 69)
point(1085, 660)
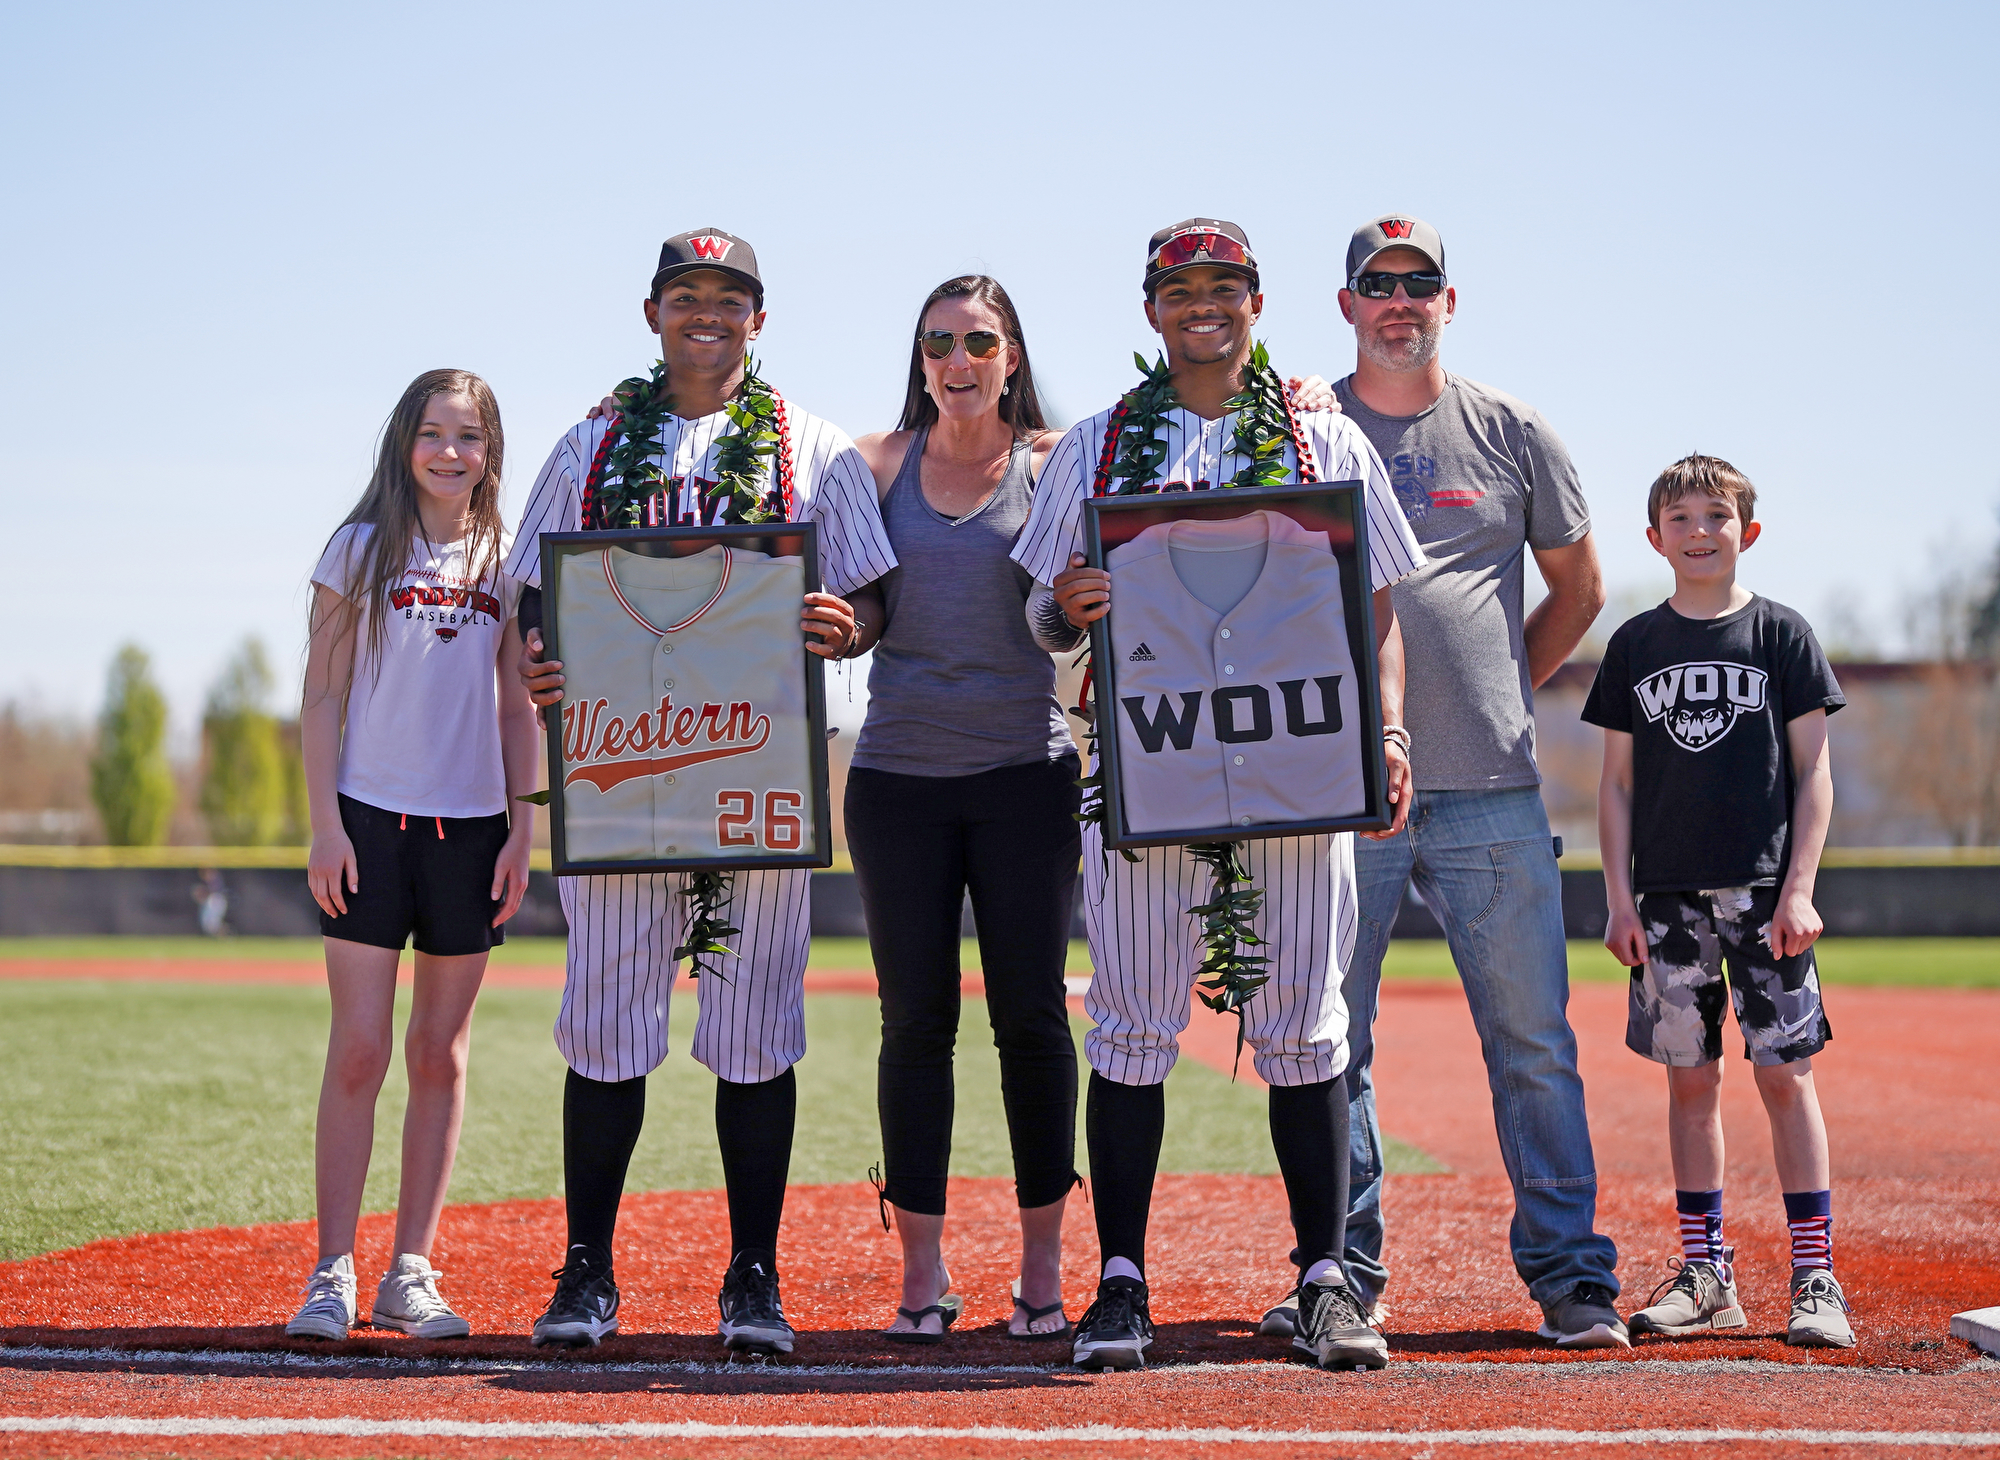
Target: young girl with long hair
point(418, 737)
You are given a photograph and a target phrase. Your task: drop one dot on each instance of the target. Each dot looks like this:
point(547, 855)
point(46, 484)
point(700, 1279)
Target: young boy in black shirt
point(1712, 812)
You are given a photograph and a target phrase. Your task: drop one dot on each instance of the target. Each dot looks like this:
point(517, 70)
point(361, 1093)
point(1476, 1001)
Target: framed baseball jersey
point(1235, 679)
point(692, 733)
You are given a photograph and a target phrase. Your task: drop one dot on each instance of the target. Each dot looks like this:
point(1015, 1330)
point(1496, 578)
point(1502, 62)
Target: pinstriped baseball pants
point(1146, 948)
point(622, 932)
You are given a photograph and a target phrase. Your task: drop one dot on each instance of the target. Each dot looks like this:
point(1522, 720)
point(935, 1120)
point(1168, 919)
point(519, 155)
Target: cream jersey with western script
point(684, 706)
point(831, 484)
point(1233, 713)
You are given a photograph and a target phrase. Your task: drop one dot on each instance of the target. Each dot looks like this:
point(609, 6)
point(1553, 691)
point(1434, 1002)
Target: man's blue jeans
point(1485, 866)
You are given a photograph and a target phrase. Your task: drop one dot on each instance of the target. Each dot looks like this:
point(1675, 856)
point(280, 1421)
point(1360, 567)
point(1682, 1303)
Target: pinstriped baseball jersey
point(1241, 718)
point(623, 930)
point(1198, 457)
point(1143, 943)
point(832, 487)
point(665, 752)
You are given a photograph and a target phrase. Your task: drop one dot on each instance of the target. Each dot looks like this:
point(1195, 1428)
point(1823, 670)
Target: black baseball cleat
point(753, 1315)
point(1334, 1332)
point(1116, 1330)
point(585, 1307)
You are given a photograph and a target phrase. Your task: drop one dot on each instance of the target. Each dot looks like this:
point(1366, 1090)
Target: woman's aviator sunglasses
point(979, 344)
point(1383, 286)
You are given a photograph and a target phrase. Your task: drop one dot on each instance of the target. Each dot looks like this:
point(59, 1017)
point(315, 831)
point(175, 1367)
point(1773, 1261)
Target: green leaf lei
point(1130, 465)
point(747, 461)
point(750, 470)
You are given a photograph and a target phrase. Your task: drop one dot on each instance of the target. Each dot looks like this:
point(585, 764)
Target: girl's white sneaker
point(408, 1301)
point(329, 1309)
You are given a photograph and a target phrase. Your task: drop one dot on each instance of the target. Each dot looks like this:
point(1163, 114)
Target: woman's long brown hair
point(1021, 406)
point(389, 508)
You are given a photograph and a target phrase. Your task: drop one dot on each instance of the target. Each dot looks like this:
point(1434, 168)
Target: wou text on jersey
point(1738, 684)
point(1240, 714)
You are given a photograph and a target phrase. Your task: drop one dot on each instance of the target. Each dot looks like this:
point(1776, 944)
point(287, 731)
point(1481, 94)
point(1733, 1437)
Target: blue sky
point(234, 233)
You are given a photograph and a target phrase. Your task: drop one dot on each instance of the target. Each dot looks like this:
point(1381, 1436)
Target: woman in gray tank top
point(964, 781)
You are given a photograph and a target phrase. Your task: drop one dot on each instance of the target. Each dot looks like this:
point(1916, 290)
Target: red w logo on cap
point(708, 246)
point(1397, 228)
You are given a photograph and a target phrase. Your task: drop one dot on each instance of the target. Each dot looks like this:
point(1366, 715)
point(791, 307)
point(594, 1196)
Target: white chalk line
point(349, 1428)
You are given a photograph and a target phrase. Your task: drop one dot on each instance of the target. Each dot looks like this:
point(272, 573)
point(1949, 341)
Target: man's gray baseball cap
point(1392, 230)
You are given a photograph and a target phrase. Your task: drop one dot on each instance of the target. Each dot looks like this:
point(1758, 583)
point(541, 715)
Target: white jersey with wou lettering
point(1240, 710)
point(684, 708)
point(1144, 941)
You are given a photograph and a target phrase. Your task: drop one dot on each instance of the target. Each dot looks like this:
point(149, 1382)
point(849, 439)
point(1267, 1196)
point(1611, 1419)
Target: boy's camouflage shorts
point(1676, 994)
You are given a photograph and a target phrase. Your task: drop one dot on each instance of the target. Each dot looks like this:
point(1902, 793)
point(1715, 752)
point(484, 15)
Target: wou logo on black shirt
point(1700, 702)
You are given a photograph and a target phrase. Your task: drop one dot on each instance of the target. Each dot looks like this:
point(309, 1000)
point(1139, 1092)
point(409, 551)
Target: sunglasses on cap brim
point(1185, 249)
point(979, 344)
point(1383, 286)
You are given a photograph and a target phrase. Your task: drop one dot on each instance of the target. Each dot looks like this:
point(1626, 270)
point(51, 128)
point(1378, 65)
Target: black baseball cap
point(709, 248)
point(1392, 230)
point(1199, 242)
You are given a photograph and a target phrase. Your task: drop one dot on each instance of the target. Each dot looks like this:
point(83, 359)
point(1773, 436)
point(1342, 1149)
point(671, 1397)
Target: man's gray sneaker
point(1699, 1296)
point(753, 1314)
point(1115, 1330)
point(408, 1300)
point(1334, 1331)
point(329, 1309)
point(1584, 1318)
point(585, 1307)
point(1819, 1311)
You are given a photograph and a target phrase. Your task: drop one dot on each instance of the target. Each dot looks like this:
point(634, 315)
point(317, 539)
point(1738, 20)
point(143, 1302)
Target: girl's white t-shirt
point(423, 731)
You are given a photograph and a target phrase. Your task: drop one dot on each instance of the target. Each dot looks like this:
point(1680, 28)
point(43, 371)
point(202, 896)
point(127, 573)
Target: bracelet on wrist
point(1398, 736)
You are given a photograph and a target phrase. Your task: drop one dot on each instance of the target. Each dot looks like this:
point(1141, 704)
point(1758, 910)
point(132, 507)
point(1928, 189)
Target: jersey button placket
point(1231, 758)
point(662, 662)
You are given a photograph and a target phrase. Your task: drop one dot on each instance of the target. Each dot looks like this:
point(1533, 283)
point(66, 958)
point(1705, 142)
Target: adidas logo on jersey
point(1700, 702)
point(1140, 655)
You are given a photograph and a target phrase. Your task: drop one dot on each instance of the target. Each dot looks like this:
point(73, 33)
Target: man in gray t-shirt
point(1484, 482)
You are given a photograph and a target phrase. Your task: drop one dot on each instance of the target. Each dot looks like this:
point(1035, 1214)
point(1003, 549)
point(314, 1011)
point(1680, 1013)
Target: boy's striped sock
point(1810, 1214)
point(1701, 1225)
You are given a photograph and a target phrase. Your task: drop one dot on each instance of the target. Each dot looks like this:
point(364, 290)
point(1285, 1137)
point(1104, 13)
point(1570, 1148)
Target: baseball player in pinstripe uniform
point(1203, 298)
point(706, 305)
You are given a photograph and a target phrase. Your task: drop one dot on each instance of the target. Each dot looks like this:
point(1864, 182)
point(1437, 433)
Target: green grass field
point(1915, 962)
point(135, 1107)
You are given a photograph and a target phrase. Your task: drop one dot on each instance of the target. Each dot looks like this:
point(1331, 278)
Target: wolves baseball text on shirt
point(422, 733)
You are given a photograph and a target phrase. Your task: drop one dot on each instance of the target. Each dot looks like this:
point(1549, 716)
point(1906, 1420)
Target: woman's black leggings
point(920, 843)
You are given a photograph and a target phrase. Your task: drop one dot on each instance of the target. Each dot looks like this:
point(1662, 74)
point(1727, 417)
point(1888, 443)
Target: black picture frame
point(1340, 509)
point(798, 539)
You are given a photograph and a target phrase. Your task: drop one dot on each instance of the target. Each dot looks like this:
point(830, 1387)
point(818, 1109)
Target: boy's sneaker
point(329, 1309)
point(1334, 1330)
point(1584, 1318)
point(753, 1314)
point(1116, 1329)
point(585, 1307)
point(1819, 1311)
point(408, 1300)
point(1700, 1295)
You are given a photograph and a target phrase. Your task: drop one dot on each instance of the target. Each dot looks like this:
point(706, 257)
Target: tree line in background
point(1929, 744)
point(245, 789)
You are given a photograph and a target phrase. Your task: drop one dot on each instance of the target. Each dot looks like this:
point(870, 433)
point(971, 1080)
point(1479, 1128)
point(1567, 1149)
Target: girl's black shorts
point(427, 877)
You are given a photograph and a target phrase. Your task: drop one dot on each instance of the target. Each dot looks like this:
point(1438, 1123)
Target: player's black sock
point(1123, 1125)
point(753, 1125)
point(1309, 1130)
point(601, 1121)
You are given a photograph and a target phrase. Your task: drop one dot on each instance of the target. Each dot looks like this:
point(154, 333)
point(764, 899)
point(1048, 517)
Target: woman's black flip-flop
point(1035, 1315)
point(946, 1311)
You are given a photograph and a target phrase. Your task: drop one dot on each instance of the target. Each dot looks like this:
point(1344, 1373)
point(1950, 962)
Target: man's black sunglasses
point(1383, 286)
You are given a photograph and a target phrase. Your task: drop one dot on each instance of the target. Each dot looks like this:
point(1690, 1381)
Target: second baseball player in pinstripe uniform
point(1203, 297)
point(706, 305)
